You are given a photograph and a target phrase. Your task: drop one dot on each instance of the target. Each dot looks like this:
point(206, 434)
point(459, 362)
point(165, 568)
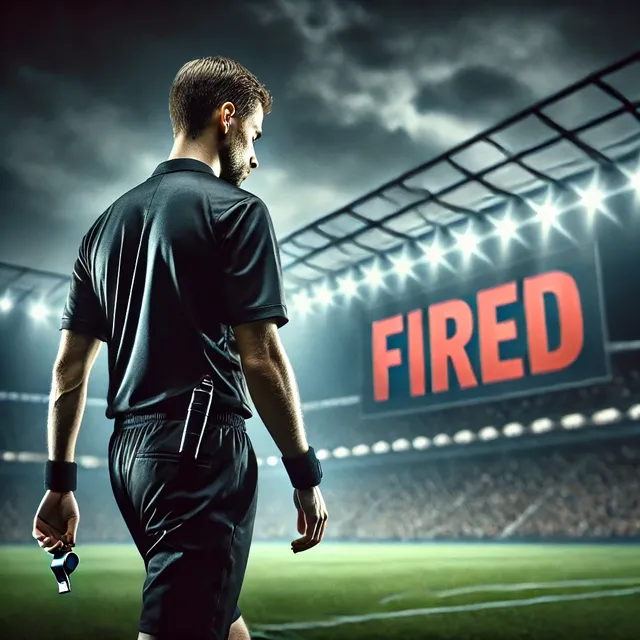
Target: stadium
point(466, 341)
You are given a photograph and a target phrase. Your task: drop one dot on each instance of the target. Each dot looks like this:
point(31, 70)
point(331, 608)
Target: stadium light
point(506, 227)
point(401, 445)
point(324, 295)
point(374, 276)
point(606, 416)
point(467, 242)
point(547, 214)
point(323, 454)
point(421, 443)
point(341, 452)
point(592, 199)
point(634, 412)
point(513, 430)
point(260, 461)
point(6, 304)
point(38, 311)
point(488, 433)
point(542, 425)
point(442, 440)
point(302, 302)
point(90, 462)
point(573, 421)
point(381, 447)
point(348, 287)
point(360, 450)
point(272, 461)
point(402, 265)
point(464, 437)
point(9, 456)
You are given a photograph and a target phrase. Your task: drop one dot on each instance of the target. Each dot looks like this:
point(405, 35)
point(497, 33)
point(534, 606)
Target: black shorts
point(193, 527)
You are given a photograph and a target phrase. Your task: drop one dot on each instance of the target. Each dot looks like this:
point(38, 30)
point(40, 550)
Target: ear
point(224, 116)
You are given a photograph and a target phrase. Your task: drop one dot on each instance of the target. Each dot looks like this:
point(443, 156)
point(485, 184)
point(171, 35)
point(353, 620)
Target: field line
point(514, 586)
point(464, 608)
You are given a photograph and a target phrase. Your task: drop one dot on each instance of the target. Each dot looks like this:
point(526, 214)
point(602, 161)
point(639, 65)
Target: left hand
point(56, 522)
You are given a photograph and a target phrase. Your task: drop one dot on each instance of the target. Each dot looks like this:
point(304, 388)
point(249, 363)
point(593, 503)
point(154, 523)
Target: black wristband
point(60, 476)
point(305, 471)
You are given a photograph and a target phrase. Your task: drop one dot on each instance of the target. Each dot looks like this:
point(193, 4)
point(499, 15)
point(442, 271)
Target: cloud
point(79, 154)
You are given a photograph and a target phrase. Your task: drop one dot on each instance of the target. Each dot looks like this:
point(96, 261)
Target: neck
point(200, 149)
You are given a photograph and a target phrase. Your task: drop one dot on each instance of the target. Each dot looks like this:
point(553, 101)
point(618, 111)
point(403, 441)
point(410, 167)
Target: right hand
point(312, 518)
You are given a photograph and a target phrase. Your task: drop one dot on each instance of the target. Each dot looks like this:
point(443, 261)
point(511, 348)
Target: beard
point(233, 166)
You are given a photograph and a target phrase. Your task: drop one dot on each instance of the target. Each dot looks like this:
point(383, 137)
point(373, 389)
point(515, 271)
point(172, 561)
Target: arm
point(272, 385)
point(254, 305)
point(76, 356)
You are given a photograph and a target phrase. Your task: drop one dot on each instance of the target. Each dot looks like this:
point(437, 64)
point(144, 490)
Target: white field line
point(480, 606)
point(511, 587)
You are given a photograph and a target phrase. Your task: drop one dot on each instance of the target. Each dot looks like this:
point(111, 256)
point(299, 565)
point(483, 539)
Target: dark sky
point(362, 92)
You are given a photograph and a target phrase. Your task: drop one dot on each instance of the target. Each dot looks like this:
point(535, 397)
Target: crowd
point(585, 491)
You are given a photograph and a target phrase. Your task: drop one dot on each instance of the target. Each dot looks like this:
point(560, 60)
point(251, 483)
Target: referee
point(181, 278)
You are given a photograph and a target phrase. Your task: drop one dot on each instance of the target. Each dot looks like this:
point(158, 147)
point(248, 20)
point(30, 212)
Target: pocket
point(172, 457)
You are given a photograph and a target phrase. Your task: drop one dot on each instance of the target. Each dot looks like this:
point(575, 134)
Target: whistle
point(64, 563)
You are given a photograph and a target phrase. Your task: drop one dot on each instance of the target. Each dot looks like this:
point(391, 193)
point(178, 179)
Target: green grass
point(336, 580)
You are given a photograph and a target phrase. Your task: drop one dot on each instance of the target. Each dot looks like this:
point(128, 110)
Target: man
point(181, 278)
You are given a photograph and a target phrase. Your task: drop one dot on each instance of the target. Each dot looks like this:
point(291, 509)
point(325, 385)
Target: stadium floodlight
point(323, 454)
point(341, 452)
point(592, 199)
point(513, 430)
point(260, 461)
point(634, 412)
point(542, 425)
point(402, 444)
point(467, 242)
point(360, 450)
point(272, 461)
point(488, 433)
point(381, 447)
point(302, 302)
point(606, 416)
point(464, 437)
point(547, 214)
point(402, 265)
point(324, 295)
point(421, 443)
point(433, 253)
point(9, 456)
point(374, 276)
point(506, 227)
point(6, 304)
point(442, 440)
point(573, 421)
point(90, 462)
point(38, 311)
point(348, 286)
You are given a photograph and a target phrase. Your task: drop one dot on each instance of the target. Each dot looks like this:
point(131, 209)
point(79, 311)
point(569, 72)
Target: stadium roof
point(588, 125)
point(591, 124)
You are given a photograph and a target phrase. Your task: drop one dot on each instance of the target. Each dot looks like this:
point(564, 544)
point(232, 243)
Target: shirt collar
point(182, 164)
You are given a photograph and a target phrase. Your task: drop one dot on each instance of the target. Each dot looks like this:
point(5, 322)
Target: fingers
point(315, 525)
point(51, 540)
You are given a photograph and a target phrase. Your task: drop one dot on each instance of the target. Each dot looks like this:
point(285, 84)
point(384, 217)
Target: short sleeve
point(252, 273)
point(82, 311)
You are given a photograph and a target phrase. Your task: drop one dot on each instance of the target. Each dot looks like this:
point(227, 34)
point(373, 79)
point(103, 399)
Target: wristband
point(304, 471)
point(60, 476)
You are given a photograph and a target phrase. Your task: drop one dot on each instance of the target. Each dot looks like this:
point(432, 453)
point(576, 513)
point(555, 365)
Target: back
point(163, 276)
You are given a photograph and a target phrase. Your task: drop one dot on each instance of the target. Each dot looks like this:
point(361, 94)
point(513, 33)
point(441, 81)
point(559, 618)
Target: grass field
point(355, 591)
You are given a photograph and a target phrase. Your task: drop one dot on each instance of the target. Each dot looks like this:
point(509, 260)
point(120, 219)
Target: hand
point(56, 522)
point(312, 518)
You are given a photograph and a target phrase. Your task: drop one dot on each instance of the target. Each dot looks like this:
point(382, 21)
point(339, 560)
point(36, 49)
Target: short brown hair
point(204, 85)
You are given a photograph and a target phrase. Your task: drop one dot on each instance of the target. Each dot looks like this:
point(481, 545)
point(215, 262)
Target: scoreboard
point(536, 325)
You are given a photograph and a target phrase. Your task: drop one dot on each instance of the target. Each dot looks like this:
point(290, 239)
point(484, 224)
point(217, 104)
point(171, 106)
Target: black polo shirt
point(164, 275)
